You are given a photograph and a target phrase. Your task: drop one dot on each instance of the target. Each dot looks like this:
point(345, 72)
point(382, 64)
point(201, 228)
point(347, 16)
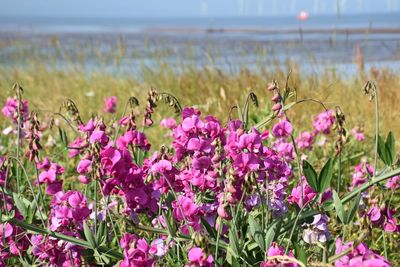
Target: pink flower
point(199, 258)
point(136, 252)
point(134, 137)
point(324, 121)
point(296, 195)
point(282, 129)
point(99, 136)
point(76, 146)
point(84, 166)
point(305, 140)
point(276, 250)
point(168, 123)
point(374, 214)
point(158, 247)
point(185, 205)
point(359, 256)
point(161, 167)
point(47, 176)
point(393, 183)
point(110, 104)
point(10, 109)
point(358, 134)
point(223, 212)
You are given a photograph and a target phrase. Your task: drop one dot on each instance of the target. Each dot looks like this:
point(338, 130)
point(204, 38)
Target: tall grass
point(87, 73)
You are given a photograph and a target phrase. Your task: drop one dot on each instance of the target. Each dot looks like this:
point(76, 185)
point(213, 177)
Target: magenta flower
point(305, 140)
point(184, 208)
point(84, 166)
point(168, 123)
point(76, 146)
point(135, 138)
point(361, 173)
point(198, 258)
point(99, 136)
point(374, 214)
point(358, 134)
point(10, 109)
point(110, 104)
point(136, 252)
point(48, 175)
point(276, 250)
point(158, 247)
point(359, 256)
point(323, 123)
point(393, 183)
point(282, 129)
point(161, 167)
point(296, 195)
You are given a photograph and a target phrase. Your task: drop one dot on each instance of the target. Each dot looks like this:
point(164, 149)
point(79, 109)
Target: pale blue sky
point(188, 8)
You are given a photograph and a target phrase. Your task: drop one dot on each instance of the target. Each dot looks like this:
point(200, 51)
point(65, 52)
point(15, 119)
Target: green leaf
point(231, 258)
point(20, 205)
point(272, 232)
point(353, 208)
point(233, 243)
point(105, 259)
point(170, 223)
point(390, 147)
point(31, 214)
point(89, 235)
point(101, 233)
point(63, 136)
point(256, 232)
point(324, 179)
point(310, 175)
point(382, 152)
point(300, 253)
point(328, 205)
point(338, 206)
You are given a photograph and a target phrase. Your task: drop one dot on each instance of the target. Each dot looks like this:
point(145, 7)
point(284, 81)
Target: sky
point(188, 8)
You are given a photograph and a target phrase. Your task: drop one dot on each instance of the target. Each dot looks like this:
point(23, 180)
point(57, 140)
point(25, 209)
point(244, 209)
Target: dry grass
point(210, 89)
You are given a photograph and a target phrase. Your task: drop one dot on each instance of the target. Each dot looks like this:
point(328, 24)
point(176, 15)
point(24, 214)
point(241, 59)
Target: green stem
point(339, 173)
point(384, 243)
point(376, 128)
point(368, 184)
point(346, 198)
point(262, 202)
point(31, 188)
point(18, 132)
point(95, 205)
point(294, 227)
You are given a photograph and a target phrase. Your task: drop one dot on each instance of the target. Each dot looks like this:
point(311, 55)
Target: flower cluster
point(191, 196)
point(359, 256)
point(324, 122)
point(10, 109)
point(110, 104)
point(276, 252)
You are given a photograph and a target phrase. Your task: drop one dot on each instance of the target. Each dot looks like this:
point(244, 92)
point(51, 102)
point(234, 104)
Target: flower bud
point(277, 107)
point(276, 97)
point(216, 158)
point(271, 86)
point(223, 213)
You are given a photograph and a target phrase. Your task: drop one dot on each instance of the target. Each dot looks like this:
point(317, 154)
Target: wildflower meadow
point(251, 188)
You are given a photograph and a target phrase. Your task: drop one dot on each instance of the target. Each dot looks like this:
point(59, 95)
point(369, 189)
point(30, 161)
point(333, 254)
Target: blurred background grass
point(212, 89)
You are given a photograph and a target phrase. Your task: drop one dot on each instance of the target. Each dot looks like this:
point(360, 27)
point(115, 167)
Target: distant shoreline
point(273, 31)
point(200, 30)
